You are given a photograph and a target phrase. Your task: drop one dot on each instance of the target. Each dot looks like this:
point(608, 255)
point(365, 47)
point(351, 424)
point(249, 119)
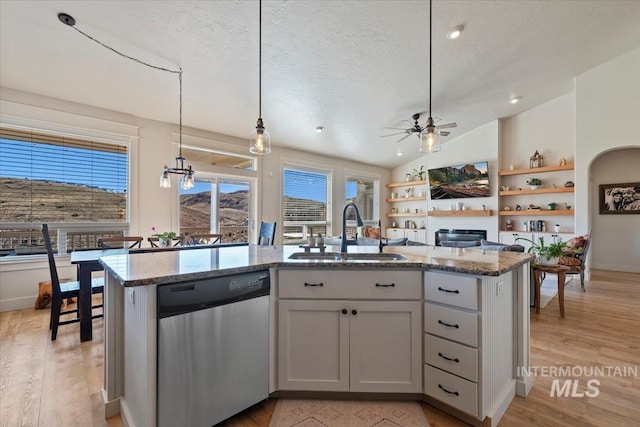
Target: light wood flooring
point(45, 383)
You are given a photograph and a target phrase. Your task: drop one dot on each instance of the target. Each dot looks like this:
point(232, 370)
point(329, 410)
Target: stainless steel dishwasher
point(213, 348)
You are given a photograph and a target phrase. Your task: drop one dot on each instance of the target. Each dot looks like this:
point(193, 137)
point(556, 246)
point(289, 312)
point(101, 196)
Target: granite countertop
point(155, 268)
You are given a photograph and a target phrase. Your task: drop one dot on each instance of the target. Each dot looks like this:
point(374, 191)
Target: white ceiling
point(351, 66)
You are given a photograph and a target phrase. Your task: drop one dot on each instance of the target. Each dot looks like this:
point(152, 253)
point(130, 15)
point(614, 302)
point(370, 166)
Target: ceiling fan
point(429, 133)
point(415, 127)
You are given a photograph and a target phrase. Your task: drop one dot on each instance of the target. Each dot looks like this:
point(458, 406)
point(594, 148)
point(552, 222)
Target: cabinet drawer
point(450, 289)
point(450, 323)
point(349, 284)
point(448, 388)
point(451, 357)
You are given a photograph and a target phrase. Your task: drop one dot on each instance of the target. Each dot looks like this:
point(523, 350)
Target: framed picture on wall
point(620, 198)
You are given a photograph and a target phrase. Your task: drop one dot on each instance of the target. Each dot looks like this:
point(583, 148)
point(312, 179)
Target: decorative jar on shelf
point(408, 178)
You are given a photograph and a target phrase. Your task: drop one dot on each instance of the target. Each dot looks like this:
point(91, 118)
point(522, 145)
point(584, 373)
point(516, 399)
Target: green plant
point(552, 206)
point(420, 172)
point(553, 250)
point(534, 181)
point(167, 235)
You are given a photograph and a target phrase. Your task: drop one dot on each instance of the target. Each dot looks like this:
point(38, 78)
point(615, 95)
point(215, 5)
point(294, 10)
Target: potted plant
point(545, 254)
point(407, 192)
point(419, 173)
point(164, 239)
point(552, 206)
point(534, 183)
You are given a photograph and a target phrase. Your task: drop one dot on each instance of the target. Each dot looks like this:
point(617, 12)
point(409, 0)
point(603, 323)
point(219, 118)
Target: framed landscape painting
point(620, 198)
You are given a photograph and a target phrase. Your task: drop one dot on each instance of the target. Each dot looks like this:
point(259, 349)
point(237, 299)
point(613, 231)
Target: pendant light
point(187, 180)
point(429, 138)
point(260, 141)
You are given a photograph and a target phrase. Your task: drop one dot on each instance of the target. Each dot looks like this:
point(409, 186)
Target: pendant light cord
point(430, 42)
point(260, 63)
point(168, 70)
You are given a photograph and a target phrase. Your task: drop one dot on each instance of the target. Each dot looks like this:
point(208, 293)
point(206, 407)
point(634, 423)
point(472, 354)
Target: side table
point(561, 271)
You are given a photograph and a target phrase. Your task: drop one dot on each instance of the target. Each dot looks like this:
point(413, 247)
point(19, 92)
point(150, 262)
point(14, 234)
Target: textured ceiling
point(351, 66)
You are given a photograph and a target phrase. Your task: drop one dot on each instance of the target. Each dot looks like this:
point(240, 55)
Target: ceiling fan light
point(260, 141)
point(430, 141)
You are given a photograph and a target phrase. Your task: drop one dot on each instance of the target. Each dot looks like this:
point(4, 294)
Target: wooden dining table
point(88, 261)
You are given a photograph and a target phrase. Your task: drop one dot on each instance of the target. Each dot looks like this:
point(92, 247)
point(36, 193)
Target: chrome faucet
point(343, 243)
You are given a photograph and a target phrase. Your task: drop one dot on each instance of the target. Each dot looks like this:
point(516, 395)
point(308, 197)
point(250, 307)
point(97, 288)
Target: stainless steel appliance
point(213, 348)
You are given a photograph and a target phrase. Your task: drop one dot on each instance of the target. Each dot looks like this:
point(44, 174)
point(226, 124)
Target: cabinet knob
point(354, 312)
point(344, 311)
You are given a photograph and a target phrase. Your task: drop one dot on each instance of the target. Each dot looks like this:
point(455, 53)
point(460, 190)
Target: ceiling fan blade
point(448, 125)
point(407, 122)
point(404, 129)
point(404, 137)
point(391, 134)
point(443, 133)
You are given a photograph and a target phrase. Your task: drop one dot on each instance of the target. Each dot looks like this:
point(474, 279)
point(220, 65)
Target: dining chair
point(204, 239)
point(580, 261)
point(64, 290)
point(267, 233)
point(154, 241)
point(127, 242)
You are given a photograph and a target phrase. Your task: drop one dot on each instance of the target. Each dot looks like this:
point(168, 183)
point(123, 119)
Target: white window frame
point(358, 174)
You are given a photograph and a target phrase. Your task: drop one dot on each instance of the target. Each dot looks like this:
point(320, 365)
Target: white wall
point(616, 243)
point(548, 128)
point(477, 145)
point(607, 111)
point(151, 150)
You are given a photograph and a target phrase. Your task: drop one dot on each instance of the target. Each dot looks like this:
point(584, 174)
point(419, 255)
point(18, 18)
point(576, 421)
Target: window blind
point(51, 178)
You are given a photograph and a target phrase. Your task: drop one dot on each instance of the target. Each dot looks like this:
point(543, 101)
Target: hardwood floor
point(45, 383)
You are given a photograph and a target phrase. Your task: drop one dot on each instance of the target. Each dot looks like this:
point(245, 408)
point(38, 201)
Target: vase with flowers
point(165, 238)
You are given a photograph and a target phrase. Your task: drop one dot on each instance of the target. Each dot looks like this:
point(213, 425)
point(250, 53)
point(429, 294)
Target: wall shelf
point(406, 199)
point(404, 214)
point(538, 191)
point(462, 213)
point(406, 184)
point(563, 233)
point(537, 170)
point(568, 212)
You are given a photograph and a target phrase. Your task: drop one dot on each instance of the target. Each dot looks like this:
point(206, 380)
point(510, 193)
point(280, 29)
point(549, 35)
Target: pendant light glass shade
point(260, 141)
point(187, 181)
point(430, 141)
point(165, 179)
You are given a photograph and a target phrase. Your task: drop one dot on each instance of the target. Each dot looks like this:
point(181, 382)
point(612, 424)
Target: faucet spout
point(343, 243)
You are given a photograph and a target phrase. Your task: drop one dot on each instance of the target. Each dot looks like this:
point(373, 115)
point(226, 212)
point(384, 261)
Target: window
point(305, 203)
point(217, 205)
point(364, 192)
point(61, 180)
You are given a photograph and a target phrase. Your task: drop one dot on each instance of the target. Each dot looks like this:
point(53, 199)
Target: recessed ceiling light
point(319, 129)
point(455, 32)
point(515, 99)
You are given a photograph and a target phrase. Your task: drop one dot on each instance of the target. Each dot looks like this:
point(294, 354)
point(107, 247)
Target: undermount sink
point(336, 256)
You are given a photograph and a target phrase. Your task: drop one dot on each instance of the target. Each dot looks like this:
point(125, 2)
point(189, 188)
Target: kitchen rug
point(347, 413)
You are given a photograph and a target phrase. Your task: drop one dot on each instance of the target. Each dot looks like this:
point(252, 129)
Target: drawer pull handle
point(313, 284)
point(447, 290)
point(391, 285)
point(344, 311)
point(449, 358)
point(447, 391)
point(448, 324)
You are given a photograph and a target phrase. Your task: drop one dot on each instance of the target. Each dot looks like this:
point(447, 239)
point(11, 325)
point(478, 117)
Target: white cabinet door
point(510, 238)
point(313, 345)
point(416, 235)
point(385, 347)
point(394, 233)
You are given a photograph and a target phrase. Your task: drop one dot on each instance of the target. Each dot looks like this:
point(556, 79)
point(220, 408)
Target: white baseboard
point(17, 303)
point(615, 267)
point(111, 408)
point(503, 403)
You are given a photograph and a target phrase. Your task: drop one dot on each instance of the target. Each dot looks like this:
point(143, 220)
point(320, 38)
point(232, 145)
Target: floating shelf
point(537, 170)
point(568, 233)
point(462, 213)
point(396, 215)
point(406, 199)
point(406, 184)
point(538, 191)
point(568, 212)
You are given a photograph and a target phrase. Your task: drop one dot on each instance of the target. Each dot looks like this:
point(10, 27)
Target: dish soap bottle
point(320, 240)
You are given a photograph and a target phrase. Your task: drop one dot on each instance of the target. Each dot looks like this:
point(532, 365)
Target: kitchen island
point(451, 325)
